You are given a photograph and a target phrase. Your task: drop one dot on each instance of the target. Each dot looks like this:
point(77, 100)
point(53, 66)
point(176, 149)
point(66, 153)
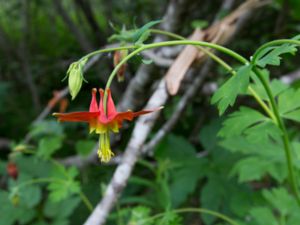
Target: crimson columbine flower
point(102, 122)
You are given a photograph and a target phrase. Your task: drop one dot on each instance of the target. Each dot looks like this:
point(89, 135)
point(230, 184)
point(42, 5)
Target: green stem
point(86, 201)
point(223, 64)
point(262, 104)
point(272, 43)
point(167, 33)
point(285, 137)
point(39, 180)
point(197, 210)
point(108, 50)
point(170, 43)
point(207, 52)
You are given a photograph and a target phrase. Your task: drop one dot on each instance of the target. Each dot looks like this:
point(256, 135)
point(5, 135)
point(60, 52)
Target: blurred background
point(39, 40)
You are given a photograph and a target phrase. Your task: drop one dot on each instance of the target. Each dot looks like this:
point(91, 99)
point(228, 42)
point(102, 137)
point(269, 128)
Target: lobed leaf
point(48, 146)
point(226, 95)
point(239, 121)
point(272, 55)
point(64, 184)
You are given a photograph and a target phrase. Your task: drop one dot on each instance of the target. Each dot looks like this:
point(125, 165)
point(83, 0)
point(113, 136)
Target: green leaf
point(247, 172)
point(48, 146)
point(174, 148)
point(29, 195)
point(211, 197)
point(241, 144)
point(281, 200)
point(138, 35)
point(289, 100)
point(64, 184)
point(11, 214)
point(47, 127)
point(61, 209)
point(138, 214)
point(263, 216)
point(294, 115)
point(186, 169)
point(226, 95)
point(277, 86)
point(272, 55)
point(85, 147)
point(186, 178)
point(200, 24)
point(289, 104)
point(169, 218)
point(34, 166)
point(239, 121)
point(263, 132)
point(208, 135)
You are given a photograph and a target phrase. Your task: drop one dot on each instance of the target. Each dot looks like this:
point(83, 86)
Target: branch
point(180, 108)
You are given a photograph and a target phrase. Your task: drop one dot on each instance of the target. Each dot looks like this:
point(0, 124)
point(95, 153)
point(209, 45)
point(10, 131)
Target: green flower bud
point(75, 77)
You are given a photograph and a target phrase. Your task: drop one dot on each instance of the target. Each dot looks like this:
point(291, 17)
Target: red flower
point(102, 122)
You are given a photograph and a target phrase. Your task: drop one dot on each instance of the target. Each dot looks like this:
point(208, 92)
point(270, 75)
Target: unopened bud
point(118, 57)
point(75, 77)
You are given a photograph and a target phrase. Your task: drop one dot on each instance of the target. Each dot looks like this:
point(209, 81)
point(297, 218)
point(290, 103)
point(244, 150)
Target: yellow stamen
point(104, 151)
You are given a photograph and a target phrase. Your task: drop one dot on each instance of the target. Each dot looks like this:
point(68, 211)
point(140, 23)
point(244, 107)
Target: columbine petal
point(94, 105)
point(76, 116)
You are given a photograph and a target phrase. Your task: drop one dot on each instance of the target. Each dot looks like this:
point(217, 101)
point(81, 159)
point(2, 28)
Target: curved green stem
point(223, 64)
point(167, 33)
point(39, 180)
point(262, 104)
point(107, 50)
point(285, 137)
point(272, 43)
point(170, 43)
point(86, 201)
point(197, 210)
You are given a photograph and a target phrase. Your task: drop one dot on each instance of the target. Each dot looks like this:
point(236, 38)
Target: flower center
point(104, 151)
